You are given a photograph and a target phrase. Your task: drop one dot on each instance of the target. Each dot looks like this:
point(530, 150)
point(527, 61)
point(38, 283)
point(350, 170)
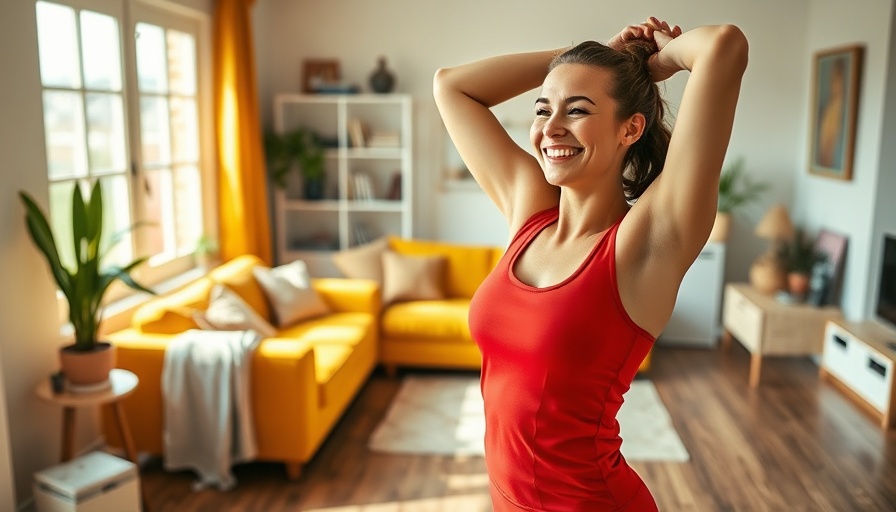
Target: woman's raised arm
point(464, 96)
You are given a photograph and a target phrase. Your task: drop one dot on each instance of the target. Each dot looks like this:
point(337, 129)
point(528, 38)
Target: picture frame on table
point(835, 102)
point(827, 274)
point(318, 73)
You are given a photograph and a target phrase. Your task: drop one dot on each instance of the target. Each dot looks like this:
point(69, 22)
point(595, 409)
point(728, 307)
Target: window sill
point(117, 315)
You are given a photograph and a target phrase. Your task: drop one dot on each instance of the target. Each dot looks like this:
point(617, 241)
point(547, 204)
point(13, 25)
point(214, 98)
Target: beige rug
point(443, 415)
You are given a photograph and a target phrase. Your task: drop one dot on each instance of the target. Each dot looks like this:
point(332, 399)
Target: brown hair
point(634, 91)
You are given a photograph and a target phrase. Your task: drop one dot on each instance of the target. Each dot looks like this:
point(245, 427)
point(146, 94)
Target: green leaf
point(79, 222)
point(42, 236)
point(95, 219)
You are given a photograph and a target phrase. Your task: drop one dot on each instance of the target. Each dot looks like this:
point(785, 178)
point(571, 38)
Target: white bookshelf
point(311, 230)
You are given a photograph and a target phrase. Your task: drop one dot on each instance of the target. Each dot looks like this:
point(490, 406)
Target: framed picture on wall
point(834, 107)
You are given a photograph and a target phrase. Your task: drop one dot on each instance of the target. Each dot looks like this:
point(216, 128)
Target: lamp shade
point(775, 224)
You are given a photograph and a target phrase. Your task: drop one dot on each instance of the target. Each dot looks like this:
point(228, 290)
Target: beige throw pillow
point(364, 261)
point(288, 289)
point(412, 277)
point(228, 312)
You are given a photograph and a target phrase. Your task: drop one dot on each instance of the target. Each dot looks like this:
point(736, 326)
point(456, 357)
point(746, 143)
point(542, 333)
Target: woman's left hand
point(655, 31)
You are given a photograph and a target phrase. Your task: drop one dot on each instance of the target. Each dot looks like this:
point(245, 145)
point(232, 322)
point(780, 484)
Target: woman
point(601, 240)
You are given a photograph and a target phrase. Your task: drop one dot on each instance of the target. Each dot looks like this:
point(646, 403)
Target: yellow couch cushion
point(347, 329)
point(428, 319)
point(466, 268)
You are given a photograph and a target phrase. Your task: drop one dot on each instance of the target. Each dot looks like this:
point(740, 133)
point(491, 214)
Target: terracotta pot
point(798, 284)
point(720, 228)
point(85, 368)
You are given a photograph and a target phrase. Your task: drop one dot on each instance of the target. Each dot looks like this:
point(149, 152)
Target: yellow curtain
point(243, 211)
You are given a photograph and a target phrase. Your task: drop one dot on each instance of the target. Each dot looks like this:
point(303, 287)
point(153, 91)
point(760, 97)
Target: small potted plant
point(799, 257)
point(736, 191)
point(300, 147)
point(88, 360)
point(206, 251)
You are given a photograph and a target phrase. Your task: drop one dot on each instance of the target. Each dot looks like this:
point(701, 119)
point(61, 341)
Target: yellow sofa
point(436, 333)
point(302, 380)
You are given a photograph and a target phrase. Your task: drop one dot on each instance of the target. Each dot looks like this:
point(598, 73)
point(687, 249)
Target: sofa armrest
point(350, 295)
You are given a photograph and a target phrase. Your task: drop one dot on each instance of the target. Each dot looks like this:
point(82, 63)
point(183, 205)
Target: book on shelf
point(395, 189)
point(362, 187)
point(357, 133)
point(384, 139)
point(363, 234)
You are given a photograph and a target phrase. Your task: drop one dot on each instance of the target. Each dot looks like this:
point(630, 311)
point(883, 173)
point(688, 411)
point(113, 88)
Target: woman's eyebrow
point(571, 99)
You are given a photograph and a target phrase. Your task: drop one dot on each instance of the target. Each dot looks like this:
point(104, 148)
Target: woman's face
point(575, 133)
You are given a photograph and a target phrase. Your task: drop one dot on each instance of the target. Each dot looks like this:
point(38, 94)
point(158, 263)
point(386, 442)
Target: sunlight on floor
point(467, 482)
point(460, 503)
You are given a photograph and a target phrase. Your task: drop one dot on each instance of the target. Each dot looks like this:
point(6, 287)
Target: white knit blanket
point(208, 411)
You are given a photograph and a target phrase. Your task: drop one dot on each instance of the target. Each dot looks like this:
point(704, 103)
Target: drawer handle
point(877, 367)
point(840, 341)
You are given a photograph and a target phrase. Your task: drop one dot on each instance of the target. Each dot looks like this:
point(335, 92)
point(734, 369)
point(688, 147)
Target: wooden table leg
point(726, 339)
point(124, 431)
point(68, 434)
point(755, 369)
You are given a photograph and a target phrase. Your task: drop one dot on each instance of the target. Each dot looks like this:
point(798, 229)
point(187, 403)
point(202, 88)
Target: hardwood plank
point(794, 443)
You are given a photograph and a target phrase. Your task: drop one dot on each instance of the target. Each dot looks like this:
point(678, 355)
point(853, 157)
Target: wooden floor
point(794, 444)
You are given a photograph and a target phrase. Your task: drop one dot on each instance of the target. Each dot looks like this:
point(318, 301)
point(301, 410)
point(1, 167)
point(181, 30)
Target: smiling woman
point(605, 219)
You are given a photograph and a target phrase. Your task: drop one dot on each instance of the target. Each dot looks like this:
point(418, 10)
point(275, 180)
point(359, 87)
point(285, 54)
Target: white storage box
point(96, 482)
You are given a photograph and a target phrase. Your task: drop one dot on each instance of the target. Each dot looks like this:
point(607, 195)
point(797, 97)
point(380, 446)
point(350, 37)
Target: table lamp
point(768, 273)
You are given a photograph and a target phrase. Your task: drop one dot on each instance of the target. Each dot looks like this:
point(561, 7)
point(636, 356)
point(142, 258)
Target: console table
point(766, 327)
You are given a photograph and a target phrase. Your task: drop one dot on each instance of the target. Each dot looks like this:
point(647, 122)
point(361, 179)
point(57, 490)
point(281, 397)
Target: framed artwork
point(317, 73)
point(835, 83)
point(827, 275)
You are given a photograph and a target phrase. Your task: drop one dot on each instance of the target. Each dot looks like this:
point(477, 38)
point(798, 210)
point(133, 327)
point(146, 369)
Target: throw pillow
point(362, 262)
point(288, 289)
point(414, 277)
point(228, 312)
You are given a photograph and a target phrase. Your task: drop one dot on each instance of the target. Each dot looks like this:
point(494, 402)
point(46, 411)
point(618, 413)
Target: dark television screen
point(886, 299)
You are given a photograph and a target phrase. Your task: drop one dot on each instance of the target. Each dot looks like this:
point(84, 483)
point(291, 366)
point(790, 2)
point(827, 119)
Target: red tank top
point(555, 364)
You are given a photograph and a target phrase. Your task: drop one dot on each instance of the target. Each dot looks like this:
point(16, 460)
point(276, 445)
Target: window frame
point(167, 15)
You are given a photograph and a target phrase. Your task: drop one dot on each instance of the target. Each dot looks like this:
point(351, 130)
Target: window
point(126, 111)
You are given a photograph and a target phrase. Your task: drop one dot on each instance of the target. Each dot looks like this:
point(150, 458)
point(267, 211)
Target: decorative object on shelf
point(768, 273)
point(835, 109)
point(395, 189)
point(736, 192)
point(825, 287)
point(357, 132)
point(88, 361)
point(317, 73)
point(799, 256)
point(382, 80)
point(298, 147)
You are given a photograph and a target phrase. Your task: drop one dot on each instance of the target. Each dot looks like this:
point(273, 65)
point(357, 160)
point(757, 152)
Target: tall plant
point(84, 285)
point(736, 190)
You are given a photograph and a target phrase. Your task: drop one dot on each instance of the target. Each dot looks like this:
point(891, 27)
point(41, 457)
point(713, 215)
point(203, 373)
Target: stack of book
point(362, 187)
point(384, 139)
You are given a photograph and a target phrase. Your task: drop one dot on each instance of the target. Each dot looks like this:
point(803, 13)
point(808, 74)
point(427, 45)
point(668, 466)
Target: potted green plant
point(736, 191)
point(88, 360)
point(302, 148)
point(206, 251)
point(799, 256)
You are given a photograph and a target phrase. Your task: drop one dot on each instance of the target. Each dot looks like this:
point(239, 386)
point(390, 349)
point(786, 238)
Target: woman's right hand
point(656, 32)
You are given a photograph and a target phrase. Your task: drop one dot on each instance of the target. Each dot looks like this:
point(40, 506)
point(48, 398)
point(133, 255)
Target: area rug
point(442, 415)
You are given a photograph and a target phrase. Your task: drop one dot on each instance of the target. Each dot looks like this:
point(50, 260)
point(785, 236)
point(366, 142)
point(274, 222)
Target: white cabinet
point(859, 357)
point(368, 187)
point(696, 318)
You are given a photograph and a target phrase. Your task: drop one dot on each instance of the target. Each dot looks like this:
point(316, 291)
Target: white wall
point(30, 334)
point(417, 40)
point(885, 207)
point(29, 337)
point(849, 207)
point(770, 129)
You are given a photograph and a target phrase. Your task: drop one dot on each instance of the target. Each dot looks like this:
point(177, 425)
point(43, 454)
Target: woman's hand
point(656, 32)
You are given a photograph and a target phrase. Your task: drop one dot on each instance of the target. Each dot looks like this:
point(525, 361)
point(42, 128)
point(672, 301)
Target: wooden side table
point(123, 384)
point(766, 327)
